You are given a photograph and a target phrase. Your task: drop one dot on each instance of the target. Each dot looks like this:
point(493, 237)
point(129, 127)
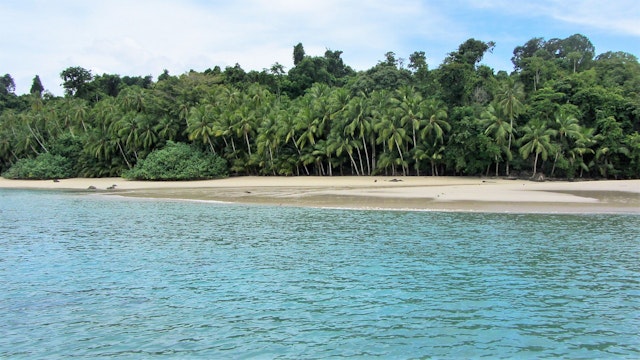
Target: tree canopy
point(564, 111)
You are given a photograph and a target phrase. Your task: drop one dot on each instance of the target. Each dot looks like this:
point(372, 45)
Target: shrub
point(45, 166)
point(178, 161)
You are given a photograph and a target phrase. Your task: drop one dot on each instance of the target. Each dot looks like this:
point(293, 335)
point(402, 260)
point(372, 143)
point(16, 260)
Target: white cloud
point(620, 16)
point(143, 37)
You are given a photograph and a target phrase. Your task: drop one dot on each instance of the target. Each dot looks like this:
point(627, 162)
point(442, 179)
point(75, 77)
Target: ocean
point(91, 276)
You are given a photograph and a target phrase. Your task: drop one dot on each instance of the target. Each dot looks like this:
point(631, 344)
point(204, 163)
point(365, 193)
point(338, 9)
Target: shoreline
point(375, 193)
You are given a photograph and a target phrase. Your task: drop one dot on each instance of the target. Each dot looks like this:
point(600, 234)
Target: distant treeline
point(563, 112)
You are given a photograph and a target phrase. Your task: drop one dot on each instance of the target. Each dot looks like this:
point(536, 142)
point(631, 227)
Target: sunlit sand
point(399, 193)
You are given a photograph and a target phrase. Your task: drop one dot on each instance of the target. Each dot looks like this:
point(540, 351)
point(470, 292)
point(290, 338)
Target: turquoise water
point(86, 276)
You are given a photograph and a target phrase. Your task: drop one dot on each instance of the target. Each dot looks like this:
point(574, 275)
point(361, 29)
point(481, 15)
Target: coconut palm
point(436, 125)
point(510, 97)
point(536, 139)
point(568, 129)
point(498, 129)
point(410, 108)
point(200, 125)
point(391, 133)
point(339, 144)
point(268, 140)
point(580, 148)
point(127, 130)
point(360, 126)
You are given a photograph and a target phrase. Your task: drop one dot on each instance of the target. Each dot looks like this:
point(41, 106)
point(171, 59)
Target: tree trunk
point(553, 168)
point(404, 173)
point(295, 143)
point(273, 169)
point(366, 154)
point(353, 163)
point(360, 161)
point(124, 156)
point(510, 135)
point(246, 138)
point(210, 146)
point(37, 139)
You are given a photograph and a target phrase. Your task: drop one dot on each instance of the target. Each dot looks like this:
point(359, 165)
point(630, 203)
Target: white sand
point(435, 193)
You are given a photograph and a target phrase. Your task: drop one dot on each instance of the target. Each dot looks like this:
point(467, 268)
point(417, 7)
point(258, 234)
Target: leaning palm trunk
point(295, 143)
point(37, 139)
point(360, 161)
point(246, 138)
point(353, 164)
point(124, 156)
point(404, 173)
point(366, 154)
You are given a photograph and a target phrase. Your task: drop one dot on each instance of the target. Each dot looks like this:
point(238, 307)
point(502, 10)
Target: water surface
point(105, 277)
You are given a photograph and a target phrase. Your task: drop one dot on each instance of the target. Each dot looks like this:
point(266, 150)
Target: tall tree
point(510, 97)
point(7, 84)
point(76, 81)
point(200, 125)
point(499, 130)
point(36, 87)
point(536, 139)
point(298, 54)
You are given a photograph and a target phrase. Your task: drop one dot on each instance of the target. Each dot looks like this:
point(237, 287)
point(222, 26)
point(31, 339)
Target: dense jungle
point(563, 112)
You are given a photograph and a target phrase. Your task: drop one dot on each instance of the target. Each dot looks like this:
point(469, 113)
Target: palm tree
point(268, 139)
point(343, 144)
point(307, 124)
point(167, 129)
point(287, 129)
point(79, 113)
point(133, 98)
point(101, 145)
point(568, 128)
point(510, 97)
point(395, 136)
point(436, 125)
point(536, 139)
point(127, 130)
point(244, 124)
point(611, 146)
point(432, 133)
point(379, 105)
point(498, 130)
point(418, 154)
point(147, 132)
point(581, 147)
point(360, 126)
point(410, 107)
point(200, 125)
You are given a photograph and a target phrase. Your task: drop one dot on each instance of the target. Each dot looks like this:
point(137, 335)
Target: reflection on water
point(95, 277)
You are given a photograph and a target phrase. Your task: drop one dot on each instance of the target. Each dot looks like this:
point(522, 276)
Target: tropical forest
point(563, 112)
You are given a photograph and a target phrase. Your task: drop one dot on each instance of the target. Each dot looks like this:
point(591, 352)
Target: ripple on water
point(105, 277)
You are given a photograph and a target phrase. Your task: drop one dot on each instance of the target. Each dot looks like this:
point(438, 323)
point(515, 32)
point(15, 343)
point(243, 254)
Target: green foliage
point(178, 161)
point(76, 81)
point(566, 112)
point(45, 166)
point(36, 86)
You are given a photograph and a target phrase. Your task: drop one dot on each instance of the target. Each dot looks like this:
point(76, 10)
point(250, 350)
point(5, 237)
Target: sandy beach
point(399, 193)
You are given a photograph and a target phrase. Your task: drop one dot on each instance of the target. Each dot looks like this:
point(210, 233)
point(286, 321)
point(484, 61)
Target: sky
point(144, 37)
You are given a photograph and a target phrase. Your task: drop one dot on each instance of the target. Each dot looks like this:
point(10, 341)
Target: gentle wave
point(88, 277)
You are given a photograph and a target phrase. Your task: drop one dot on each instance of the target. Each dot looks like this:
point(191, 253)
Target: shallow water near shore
point(94, 276)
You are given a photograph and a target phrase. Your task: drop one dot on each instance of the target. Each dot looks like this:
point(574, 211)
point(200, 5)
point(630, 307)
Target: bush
point(178, 161)
point(45, 166)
